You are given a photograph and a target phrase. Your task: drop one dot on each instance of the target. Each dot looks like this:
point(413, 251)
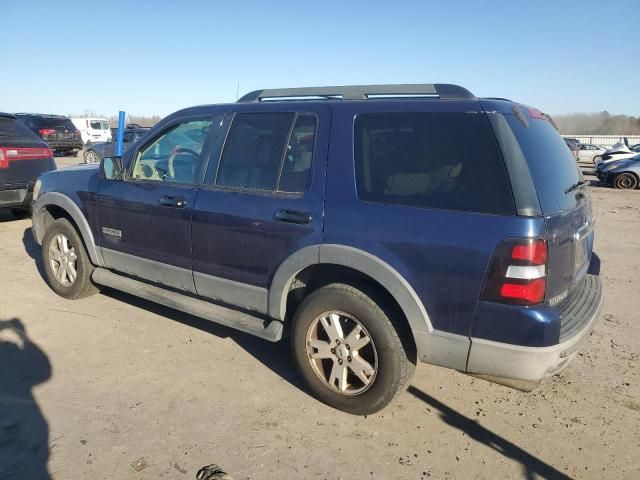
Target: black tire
point(91, 156)
point(626, 181)
point(395, 351)
point(82, 286)
point(21, 213)
point(596, 159)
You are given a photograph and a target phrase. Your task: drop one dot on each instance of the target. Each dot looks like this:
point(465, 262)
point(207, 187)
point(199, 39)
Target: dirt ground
point(113, 387)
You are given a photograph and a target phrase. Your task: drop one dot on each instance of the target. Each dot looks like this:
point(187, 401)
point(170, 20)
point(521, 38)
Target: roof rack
point(360, 92)
point(41, 114)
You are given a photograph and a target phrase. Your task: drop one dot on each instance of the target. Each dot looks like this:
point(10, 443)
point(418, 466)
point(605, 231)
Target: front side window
point(436, 160)
point(175, 156)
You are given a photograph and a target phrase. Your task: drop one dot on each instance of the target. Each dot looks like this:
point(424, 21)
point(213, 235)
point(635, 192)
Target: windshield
point(553, 167)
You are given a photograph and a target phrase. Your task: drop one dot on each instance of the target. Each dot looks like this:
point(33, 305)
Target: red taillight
point(518, 272)
point(534, 252)
point(47, 131)
point(8, 154)
point(532, 292)
point(535, 113)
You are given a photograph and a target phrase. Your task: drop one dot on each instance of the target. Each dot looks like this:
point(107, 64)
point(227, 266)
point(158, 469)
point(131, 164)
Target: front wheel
point(596, 159)
point(350, 354)
point(626, 181)
point(91, 157)
point(66, 263)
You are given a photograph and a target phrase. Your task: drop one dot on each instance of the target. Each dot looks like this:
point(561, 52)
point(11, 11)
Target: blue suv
point(372, 225)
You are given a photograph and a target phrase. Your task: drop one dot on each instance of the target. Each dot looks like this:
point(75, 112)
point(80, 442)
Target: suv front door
point(145, 219)
point(262, 200)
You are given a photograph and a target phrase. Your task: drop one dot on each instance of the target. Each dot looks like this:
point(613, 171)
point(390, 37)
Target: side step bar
point(245, 322)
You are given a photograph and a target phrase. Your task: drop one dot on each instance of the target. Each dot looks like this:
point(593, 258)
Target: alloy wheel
point(92, 157)
point(342, 353)
point(63, 260)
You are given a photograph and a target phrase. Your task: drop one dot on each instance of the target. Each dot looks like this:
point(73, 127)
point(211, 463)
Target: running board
point(245, 322)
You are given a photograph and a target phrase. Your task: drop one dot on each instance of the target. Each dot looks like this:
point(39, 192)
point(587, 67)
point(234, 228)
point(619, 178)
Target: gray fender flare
point(69, 206)
point(356, 259)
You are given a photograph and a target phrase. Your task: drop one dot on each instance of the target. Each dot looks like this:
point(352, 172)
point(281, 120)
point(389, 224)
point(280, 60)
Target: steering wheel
point(174, 153)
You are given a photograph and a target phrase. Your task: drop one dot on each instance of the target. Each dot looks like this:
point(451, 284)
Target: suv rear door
point(262, 200)
point(145, 219)
point(561, 192)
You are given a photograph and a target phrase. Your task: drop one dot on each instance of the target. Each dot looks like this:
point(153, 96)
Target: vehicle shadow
point(24, 432)
point(6, 216)
point(33, 250)
point(275, 356)
point(532, 467)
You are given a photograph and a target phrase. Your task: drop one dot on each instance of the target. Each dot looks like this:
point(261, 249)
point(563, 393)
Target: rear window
point(50, 122)
point(553, 167)
point(435, 160)
point(13, 129)
point(99, 125)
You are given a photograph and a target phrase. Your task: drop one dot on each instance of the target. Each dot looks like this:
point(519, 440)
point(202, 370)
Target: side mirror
point(111, 168)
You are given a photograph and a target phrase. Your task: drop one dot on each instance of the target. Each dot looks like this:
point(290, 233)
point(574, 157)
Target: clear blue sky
point(149, 57)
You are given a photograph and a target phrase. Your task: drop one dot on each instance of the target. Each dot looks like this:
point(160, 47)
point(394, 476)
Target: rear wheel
point(626, 181)
point(91, 157)
point(348, 351)
point(66, 263)
point(597, 158)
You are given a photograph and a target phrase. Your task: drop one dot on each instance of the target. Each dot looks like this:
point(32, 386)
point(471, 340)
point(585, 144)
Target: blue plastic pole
point(120, 134)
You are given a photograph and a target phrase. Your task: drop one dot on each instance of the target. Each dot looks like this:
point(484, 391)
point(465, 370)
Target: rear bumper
point(523, 367)
point(65, 144)
point(15, 197)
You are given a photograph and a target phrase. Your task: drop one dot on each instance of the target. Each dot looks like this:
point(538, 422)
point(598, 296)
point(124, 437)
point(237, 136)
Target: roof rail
point(41, 114)
point(360, 92)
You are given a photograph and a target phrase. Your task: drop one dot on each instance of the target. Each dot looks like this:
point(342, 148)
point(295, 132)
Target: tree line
point(602, 123)
point(143, 121)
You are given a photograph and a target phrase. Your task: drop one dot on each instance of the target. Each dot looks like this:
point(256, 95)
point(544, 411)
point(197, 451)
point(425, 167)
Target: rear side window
point(13, 129)
point(435, 160)
point(552, 165)
point(269, 152)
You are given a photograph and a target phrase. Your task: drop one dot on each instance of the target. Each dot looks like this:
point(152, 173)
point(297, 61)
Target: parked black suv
point(23, 157)
point(58, 131)
point(373, 225)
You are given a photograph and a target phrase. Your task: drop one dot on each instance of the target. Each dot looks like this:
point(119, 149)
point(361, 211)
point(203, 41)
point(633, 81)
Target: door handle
point(293, 216)
point(173, 202)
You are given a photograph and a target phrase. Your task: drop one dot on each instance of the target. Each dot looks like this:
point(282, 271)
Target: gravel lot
point(113, 387)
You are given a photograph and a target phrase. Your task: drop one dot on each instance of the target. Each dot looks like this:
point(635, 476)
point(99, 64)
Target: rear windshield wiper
point(578, 185)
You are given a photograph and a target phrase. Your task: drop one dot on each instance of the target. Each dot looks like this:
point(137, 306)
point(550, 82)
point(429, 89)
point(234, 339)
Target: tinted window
point(52, 122)
point(253, 151)
point(299, 155)
point(553, 167)
point(13, 129)
point(437, 160)
point(175, 155)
